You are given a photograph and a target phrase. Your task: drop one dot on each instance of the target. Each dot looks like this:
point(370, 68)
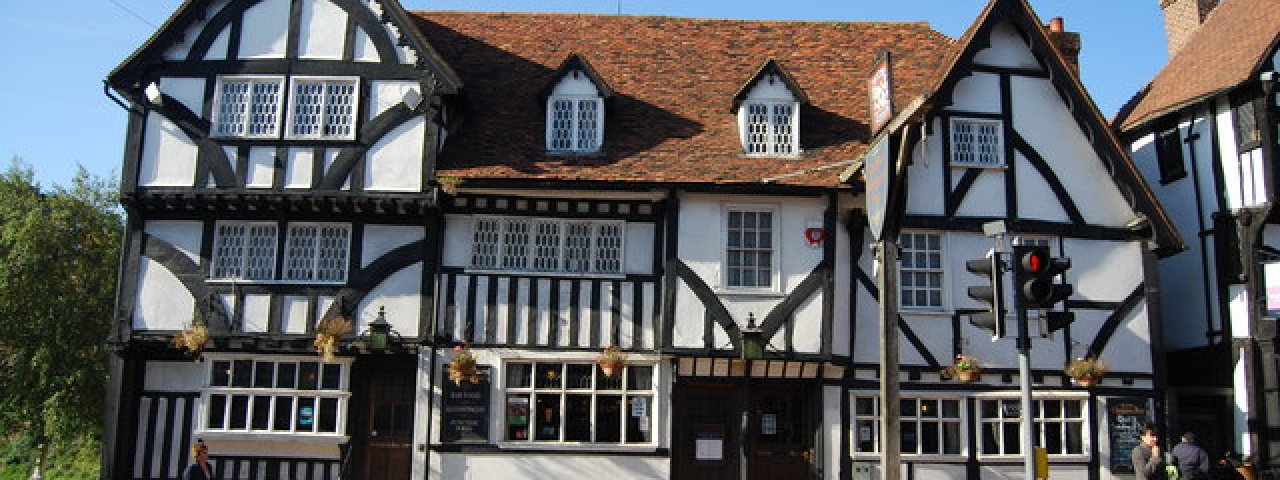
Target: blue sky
point(58, 52)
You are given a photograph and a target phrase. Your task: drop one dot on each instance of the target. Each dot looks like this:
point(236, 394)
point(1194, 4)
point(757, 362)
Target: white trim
point(944, 296)
point(325, 82)
point(962, 421)
point(563, 391)
point(1086, 448)
point(775, 282)
point(342, 394)
point(216, 115)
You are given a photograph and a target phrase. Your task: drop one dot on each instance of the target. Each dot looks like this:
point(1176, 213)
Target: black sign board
point(1125, 419)
point(466, 409)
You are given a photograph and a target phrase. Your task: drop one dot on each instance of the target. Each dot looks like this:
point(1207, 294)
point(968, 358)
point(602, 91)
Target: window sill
point(917, 457)
point(748, 292)
point(564, 275)
point(291, 437)
point(239, 281)
point(1002, 166)
point(575, 447)
point(925, 312)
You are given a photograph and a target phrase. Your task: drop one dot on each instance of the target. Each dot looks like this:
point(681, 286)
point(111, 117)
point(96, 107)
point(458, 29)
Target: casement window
point(1248, 133)
point(1059, 426)
point(771, 128)
point(749, 249)
point(977, 142)
point(323, 108)
point(248, 107)
point(312, 252)
point(275, 396)
point(920, 275)
point(547, 245)
point(575, 124)
point(930, 426)
point(1169, 155)
point(577, 403)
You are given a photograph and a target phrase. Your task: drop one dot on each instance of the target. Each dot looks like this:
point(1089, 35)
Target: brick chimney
point(1182, 18)
point(1068, 43)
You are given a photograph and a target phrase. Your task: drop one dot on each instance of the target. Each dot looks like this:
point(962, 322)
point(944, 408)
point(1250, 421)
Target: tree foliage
point(59, 252)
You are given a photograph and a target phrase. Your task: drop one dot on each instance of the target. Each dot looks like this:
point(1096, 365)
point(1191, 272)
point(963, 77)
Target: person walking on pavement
point(1193, 462)
point(200, 470)
point(1148, 463)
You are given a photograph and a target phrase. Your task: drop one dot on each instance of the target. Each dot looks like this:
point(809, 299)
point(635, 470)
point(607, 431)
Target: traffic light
point(1054, 321)
point(1033, 275)
point(990, 294)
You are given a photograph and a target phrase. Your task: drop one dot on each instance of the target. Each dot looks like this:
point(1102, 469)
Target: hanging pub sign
point(1271, 277)
point(1125, 419)
point(880, 93)
point(878, 174)
point(465, 409)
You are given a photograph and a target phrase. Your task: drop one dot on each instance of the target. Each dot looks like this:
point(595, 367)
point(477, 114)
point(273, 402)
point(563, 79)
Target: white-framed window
point(977, 142)
point(750, 248)
point(930, 426)
point(566, 402)
point(575, 123)
point(248, 107)
point(317, 252)
point(921, 272)
point(323, 108)
point(771, 128)
point(313, 252)
point(293, 396)
point(1060, 426)
point(547, 245)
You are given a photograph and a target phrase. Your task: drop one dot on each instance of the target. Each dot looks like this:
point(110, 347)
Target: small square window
point(575, 124)
point(247, 107)
point(770, 128)
point(977, 142)
point(323, 108)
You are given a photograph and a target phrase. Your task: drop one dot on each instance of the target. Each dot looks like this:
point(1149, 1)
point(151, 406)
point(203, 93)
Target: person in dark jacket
point(200, 470)
point(1193, 463)
point(1148, 463)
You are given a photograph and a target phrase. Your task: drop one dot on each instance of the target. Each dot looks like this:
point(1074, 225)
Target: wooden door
point(781, 433)
point(706, 424)
point(388, 426)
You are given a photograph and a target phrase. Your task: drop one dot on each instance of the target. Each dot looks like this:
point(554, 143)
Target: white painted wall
point(394, 163)
point(257, 311)
point(184, 376)
point(384, 94)
point(262, 167)
point(1007, 49)
point(364, 51)
point(265, 30)
point(298, 168)
point(293, 314)
point(183, 235)
point(162, 303)
point(401, 293)
point(168, 155)
point(319, 33)
point(380, 239)
point(978, 92)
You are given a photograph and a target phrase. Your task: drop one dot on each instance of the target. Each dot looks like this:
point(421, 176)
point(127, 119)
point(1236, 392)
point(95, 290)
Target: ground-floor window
point(275, 396)
point(1059, 426)
point(930, 426)
point(578, 403)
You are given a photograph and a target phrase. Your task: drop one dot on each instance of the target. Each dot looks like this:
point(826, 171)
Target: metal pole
point(890, 407)
point(1024, 383)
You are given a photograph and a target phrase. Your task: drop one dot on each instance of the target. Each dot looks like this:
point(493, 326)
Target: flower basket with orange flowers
point(611, 360)
point(328, 332)
point(463, 366)
point(967, 368)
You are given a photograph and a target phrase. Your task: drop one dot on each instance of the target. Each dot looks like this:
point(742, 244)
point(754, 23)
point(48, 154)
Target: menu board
point(1125, 419)
point(465, 409)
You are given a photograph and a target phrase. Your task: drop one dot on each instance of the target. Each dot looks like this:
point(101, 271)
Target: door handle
point(808, 456)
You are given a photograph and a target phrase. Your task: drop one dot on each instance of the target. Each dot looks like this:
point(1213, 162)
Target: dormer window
point(575, 108)
point(768, 110)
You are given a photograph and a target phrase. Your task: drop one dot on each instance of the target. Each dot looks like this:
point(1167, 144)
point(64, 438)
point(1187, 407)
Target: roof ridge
point(923, 23)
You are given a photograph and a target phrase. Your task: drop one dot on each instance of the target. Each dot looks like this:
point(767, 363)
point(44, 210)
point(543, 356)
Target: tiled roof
point(1225, 51)
point(674, 80)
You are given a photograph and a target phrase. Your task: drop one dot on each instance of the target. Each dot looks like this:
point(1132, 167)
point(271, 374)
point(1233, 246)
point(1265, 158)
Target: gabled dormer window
point(575, 108)
point(768, 110)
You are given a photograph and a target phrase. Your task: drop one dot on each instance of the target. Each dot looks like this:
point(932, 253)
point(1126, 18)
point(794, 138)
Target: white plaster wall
point(1042, 119)
point(688, 330)
point(380, 239)
point(257, 311)
point(265, 29)
point(577, 85)
point(1228, 152)
point(457, 241)
point(639, 244)
point(218, 49)
point(183, 235)
point(401, 293)
point(384, 94)
point(261, 169)
point(188, 91)
point(318, 35)
point(1103, 270)
point(807, 336)
point(832, 430)
point(162, 303)
point(1240, 412)
point(1043, 205)
point(925, 172)
point(1238, 310)
point(866, 346)
point(843, 321)
point(986, 195)
point(1007, 49)
point(1130, 345)
point(293, 314)
point(394, 163)
point(363, 50)
point(298, 168)
point(331, 155)
point(168, 155)
point(182, 376)
point(1271, 235)
point(978, 92)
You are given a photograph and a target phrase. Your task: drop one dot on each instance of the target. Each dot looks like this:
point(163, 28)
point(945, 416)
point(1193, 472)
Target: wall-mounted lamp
point(752, 339)
point(379, 334)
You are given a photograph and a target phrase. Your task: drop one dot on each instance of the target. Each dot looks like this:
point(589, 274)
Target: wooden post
point(890, 394)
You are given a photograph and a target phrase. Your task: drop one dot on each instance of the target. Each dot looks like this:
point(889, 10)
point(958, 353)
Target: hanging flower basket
point(192, 339)
point(328, 333)
point(611, 360)
point(966, 369)
point(1086, 372)
point(463, 366)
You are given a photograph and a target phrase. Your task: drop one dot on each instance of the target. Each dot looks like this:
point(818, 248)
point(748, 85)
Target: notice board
point(1125, 419)
point(465, 409)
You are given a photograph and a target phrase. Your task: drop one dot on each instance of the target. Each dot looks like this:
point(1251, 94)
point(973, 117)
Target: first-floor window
point(749, 252)
point(578, 403)
point(921, 272)
point(547, 245)
point(1059, 426)
point(313, 252)
point(930, 426)
point(272, 396)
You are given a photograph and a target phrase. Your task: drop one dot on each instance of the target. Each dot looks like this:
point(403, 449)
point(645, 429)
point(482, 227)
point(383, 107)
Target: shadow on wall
point(542, 467)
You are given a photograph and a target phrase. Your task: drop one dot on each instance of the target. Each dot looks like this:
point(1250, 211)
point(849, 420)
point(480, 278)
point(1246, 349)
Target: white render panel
point(503, 284)
point(832, 430)
point(457, 241)
point(183, 235)
point(298, 168)
point(384, 94)
point(187, 91)
point(330, 156)
point(380, 239)
point(985, 197)
point(1130, 345)
point(1007, 50)
point(542, 316)
point(1271, 235)
point(844, 276)
point(1042, 206)
point(687, 329)
point(1230, 155)
point(639, 243)
point(394, 163)
point(1101, 270)
point(626, 315)
point(807, 323)
point(229, 302)
point(866, 347)
point(925, 171)
point(261, 169)
point(218, 49)
point(401, 293)
point(1238, 310)
point(322, 306)
point(1242, 403)
point(265, 28)
point(293, 314)
point(168, 155)
point(318, 34)
point(173, 376)
point(978, 92)
point(163, 303)
point(363, 50)
point(257, 309)
point(1039, 117)
point(575, 86)
point(584, 312)
point(479, 309)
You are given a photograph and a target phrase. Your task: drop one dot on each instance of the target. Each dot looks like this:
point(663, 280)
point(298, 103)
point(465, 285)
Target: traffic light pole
point(1024, 384)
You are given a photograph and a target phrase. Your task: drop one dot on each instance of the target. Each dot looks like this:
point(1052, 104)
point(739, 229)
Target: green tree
point(58, 262)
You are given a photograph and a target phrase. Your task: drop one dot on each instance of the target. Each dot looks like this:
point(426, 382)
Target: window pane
point(1052, 409)
point(1073, 408)
point(951, 438)
point(518, 416)
point(284, 414)
point(549, 375)
point(991, 438)
point(262, 373)
point(332, 376)
point(217, 410)
point(638, 423)
point(639, 378)
point(951, 408)
point(1075, 438)
point(930, 442)
point(1011, 436)
point(239, 412)
point(908, 407)
point(864, 406)
point(609, 418)
point(910, 438)
point(579, 375)
point(604, 382)
point(1052, 437)
point(518, 375)
point(286, 374)
point(548, 417)
point(328, 415)
point(306, 414)
point(307, 373)
point(221, 374)
point(577, 420)
point(261, 412)
point(241, 373)
point(864, 436)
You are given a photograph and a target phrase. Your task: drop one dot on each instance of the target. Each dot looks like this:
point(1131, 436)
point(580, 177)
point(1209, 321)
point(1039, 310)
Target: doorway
point(386, 425)
point(708, 437)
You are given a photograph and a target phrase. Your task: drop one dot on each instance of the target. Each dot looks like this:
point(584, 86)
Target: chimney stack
point(1182, 18)
point(1068, 43)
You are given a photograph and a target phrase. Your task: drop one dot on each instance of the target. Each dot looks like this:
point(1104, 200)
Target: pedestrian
point(1148, 463)
point(200, 470)
point(1193, 462)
